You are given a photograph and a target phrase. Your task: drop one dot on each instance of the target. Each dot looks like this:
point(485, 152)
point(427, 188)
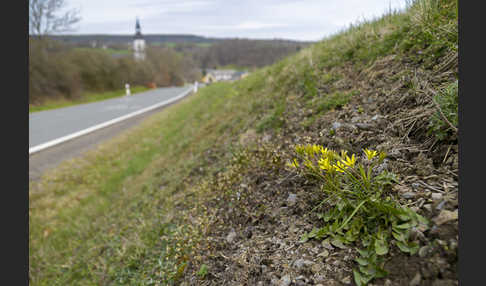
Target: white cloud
point(247, 25)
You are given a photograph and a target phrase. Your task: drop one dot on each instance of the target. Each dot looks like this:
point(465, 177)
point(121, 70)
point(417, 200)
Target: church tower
point(138, 43)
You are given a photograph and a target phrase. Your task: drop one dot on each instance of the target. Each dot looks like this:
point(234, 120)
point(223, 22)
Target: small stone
point(440, 205)
point(382, 167)
point(293, 229)
point(301, 277)
point(336, 125)
point(446, 216)
point(231, 236)
point(316, 268)
point(319, 279)
point(264, 268)
point(408, 195)
point(299, 263)
point(260, 283)
point(327, 244)
point(416, 280)
point(375, 117)
point(266, 138)
point(323, 254)
point(428, 207)
point(436, 196)
point(346, 280)
point(424, 250)
point(285, 280)
point(452, 245)
point(364, 126)
point(388, 282)
point(292, 199)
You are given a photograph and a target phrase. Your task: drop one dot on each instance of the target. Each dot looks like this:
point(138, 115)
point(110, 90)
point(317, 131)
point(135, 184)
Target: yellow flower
point(370, 154)
point(340, 167)
point(344, 153)
point(293, 164)
point(308, 164)
point(324, 164)
point(324, 151)
point(350, 161)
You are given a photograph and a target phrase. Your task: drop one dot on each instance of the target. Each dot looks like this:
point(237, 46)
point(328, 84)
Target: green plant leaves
point(362, 261)
point(203, 271)
point(359, 212)
point(381, 248)
point(338, 242)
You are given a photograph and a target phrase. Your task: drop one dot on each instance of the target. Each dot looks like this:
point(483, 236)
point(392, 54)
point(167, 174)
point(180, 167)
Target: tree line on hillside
point(245, 53)
point(206, 52)
point(56, 70)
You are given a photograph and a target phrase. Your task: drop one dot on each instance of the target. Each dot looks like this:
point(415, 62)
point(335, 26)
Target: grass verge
point(107, 218)
point(86, 98)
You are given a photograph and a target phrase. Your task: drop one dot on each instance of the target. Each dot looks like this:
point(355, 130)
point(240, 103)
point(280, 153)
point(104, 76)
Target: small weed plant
point(358, 207)
point(203, 271)
point(445, 119)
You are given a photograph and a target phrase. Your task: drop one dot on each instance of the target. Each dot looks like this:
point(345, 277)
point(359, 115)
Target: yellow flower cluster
point(370, 154)
point(328, 159)
point(294, 164)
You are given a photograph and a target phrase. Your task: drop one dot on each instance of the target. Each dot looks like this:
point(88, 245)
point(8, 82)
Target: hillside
point(255, 182)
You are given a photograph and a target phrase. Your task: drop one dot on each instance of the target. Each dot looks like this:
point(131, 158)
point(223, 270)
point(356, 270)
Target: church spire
point(138, 29)
point(138, 42)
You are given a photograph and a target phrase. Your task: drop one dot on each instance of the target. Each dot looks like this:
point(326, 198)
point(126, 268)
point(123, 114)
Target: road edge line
point(63, 139)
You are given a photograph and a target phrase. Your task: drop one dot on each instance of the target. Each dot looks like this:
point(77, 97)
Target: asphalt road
point(50, 157)
point(45, 126)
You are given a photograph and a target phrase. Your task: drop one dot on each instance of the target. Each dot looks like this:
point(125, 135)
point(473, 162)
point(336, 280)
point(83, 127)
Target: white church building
point(138, 43)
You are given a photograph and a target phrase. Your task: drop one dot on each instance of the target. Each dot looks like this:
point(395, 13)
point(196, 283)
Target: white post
point(195, 86)
point(127, 89)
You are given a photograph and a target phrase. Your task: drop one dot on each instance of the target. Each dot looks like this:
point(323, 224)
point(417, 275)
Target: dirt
point(262, 210)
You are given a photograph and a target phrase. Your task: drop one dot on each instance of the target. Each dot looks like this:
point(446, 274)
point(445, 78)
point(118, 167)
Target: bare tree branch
point(48, 16)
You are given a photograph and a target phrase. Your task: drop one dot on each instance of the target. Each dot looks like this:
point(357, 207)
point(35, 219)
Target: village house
point(213, 75)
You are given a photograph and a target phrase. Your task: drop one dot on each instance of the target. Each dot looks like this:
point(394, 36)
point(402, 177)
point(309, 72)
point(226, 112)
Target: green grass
point(86, 98)
point(107, 217)
point(446, 118)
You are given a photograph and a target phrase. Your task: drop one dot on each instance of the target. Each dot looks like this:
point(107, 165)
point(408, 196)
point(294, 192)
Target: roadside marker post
point(127, 88)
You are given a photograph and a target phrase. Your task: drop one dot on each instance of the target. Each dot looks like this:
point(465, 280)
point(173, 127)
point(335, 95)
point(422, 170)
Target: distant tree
point(50, 16)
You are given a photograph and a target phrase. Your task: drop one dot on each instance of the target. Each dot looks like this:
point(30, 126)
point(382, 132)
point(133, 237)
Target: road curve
point(52, 127)
point(49, 158)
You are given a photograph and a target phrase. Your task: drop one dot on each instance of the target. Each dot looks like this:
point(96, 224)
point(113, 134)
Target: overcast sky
point(308, 20)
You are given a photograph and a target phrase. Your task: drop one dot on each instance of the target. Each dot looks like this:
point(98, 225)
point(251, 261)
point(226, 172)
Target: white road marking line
point(51, 143)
